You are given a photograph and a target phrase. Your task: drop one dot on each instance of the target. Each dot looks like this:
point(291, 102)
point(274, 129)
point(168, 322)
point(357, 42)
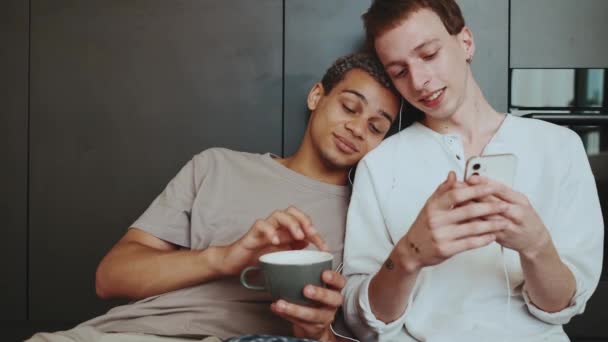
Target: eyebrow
point(419, 47)
point(428, 42)
point(388, 117)
point(356, 93)
point(362, 97)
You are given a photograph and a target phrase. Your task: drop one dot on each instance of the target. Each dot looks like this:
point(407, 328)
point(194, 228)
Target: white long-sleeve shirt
point(465, 297)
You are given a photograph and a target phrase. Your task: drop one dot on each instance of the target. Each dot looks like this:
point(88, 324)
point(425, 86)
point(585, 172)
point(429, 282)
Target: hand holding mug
point(297, 282)
point(314, 321)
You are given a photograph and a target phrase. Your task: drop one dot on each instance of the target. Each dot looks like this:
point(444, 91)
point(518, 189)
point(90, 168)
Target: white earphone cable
point(400, 114)
point(508, 311)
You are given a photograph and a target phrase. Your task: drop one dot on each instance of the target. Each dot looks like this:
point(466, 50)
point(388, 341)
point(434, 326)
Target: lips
point(432, 99)
point(344, 145)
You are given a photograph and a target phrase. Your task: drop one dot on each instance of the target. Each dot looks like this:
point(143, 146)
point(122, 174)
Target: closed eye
point(347, 109)
point(400, 73)
point(374, 129)
point(431, 56)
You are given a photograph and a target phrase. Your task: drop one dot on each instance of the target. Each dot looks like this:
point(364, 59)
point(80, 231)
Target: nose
point(419, 76)
point(357, 126)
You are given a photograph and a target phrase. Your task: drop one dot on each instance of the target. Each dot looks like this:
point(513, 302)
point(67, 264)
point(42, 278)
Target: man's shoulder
point(223, 155)
point(547, 132)
point(404, 141)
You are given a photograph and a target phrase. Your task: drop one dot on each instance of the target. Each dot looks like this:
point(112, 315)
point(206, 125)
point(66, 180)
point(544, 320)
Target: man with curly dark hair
point(181, 259)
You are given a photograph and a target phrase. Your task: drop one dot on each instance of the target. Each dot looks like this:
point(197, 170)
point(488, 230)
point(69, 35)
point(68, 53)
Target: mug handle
point(244, 280)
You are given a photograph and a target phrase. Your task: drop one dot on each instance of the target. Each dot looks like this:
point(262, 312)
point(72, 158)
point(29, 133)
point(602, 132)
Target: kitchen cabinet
point(559, 34)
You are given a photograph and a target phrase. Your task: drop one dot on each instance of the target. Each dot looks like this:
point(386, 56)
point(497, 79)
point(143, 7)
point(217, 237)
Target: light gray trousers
point(90, 334)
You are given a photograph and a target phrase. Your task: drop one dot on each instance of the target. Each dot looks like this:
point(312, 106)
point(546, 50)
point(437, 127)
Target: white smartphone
point(499, 167)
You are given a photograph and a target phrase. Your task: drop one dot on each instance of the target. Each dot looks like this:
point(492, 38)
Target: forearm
point(390, 288)
point(135, 271)
point(548, 281)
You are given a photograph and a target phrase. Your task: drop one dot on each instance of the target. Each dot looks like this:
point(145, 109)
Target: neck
point(308, 163)
point(473, 120)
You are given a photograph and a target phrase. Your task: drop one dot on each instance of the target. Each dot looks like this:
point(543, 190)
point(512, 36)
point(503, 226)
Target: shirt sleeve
point(367, 245)
point(168, 217)
point(578, 234)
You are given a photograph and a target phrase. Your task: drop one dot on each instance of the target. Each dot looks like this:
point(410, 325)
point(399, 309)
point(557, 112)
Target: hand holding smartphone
point(499, 167)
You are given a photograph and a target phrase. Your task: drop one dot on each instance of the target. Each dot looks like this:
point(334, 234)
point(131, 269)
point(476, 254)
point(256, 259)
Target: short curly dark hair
point(360, 60)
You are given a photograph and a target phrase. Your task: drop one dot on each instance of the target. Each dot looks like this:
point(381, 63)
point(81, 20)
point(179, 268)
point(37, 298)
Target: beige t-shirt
point(213, 201)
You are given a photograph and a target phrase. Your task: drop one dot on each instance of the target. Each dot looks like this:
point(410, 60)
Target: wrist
point(539, 250)
point(404, 258)
point(328, 336)
point(216, 257)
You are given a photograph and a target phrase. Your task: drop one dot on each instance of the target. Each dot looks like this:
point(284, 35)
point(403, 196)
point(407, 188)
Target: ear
point(465, 37)
point(314, 96)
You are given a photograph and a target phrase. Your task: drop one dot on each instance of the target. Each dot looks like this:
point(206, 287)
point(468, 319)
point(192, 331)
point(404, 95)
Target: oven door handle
point(571, 118)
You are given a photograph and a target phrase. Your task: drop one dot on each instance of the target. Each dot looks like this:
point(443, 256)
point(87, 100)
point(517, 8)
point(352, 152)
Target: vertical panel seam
point(28, 164)
point(283, 84)
point(509, 71)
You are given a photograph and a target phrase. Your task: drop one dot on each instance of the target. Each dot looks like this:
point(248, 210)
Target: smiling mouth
point(345, 145)
point(434, 96)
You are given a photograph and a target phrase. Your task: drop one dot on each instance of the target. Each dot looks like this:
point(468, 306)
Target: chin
point(341, 163)
point(338, 161)
point(442, 113)
point(445, 110)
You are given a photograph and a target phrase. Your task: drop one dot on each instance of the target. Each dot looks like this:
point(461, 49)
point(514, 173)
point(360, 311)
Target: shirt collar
point(496, 145)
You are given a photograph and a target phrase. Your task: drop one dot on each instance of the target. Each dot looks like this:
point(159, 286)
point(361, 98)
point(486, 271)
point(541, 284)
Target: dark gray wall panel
point(13, 149)
point(489, 22)
point(123, 94)
point(316, 33)
point(559, 34)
